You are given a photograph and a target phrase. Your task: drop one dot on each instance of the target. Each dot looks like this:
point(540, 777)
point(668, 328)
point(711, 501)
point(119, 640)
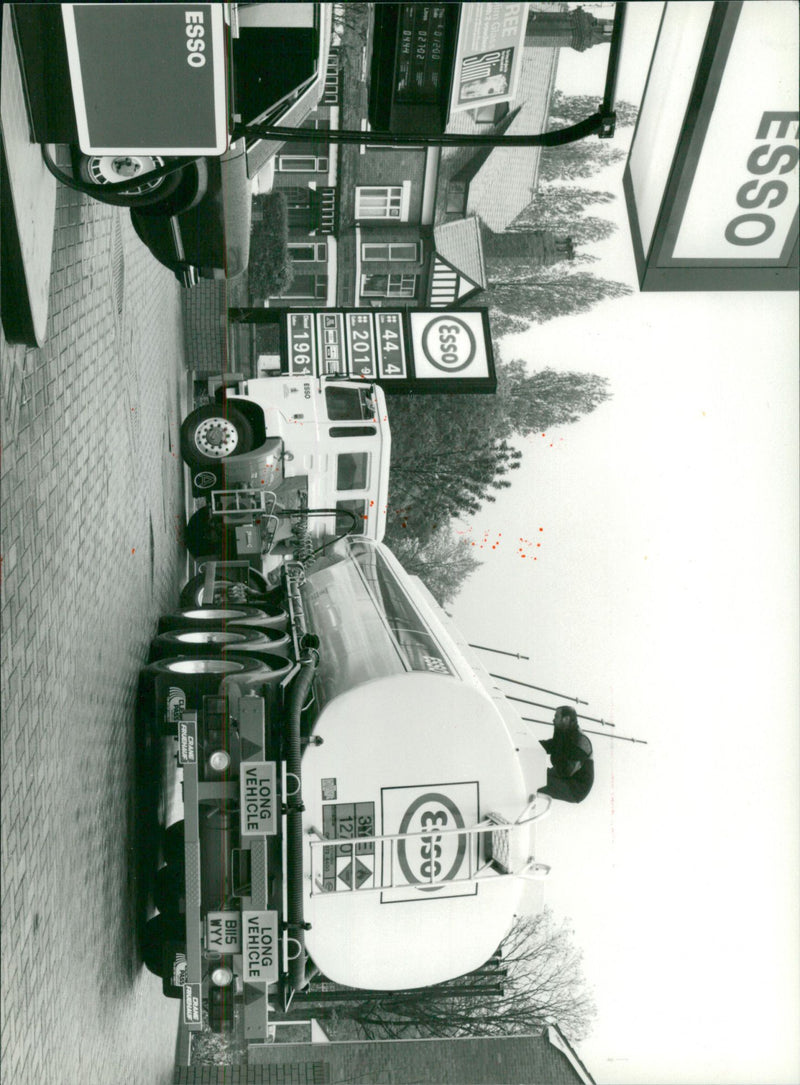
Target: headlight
point(219, 760)
point(222, 977)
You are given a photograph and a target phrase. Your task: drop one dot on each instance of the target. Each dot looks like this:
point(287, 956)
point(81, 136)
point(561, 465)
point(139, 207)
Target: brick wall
point(213, 349)
point(489, 1060)
point(313, 1072)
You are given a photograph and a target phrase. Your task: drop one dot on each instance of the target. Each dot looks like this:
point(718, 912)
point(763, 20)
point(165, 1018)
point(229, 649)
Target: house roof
point(506, 181)
point(459, 243)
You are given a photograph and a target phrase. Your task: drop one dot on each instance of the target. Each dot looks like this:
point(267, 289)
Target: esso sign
point(195, 39)
point(449, 344)
point(437, 853)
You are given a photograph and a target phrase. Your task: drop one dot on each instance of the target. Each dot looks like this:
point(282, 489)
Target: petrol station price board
point(403, 350)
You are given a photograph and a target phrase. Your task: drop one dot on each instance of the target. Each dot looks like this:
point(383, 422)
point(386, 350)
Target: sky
point(659, 583)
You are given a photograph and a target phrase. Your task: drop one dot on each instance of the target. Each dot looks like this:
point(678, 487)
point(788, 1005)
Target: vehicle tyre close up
point(110, 169)
point(214, 432)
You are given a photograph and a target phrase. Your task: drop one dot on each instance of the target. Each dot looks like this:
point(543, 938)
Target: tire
point(106, 169)
point(206, 670)
point(192, 187)
point(169, 890)
point(257, 589)
point(271, 615)
point(212, 433)
point(206, 536)
point(200, 617)
point(172, 846)
point(218, 639)
point(179, 684)
point(157, 931)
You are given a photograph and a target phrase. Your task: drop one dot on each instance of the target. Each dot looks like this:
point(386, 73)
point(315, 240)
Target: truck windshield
point(350, 404)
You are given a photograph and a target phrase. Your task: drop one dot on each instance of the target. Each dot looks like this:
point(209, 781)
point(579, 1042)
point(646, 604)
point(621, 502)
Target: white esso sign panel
point(745, 193)
point(449, 345)
point(435, 812)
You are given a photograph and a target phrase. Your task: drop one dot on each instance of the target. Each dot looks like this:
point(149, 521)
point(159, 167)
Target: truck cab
point(280, 445)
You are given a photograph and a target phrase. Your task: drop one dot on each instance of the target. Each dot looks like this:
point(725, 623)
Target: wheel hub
point(216, 437)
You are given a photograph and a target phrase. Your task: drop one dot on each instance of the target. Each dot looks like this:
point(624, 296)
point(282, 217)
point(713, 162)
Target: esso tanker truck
point(272, 449)
point(353, 799)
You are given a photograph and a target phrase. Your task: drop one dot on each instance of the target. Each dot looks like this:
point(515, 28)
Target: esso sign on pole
point(148, 77)
point(404, 350)
point(712, 180)
point(449, 347)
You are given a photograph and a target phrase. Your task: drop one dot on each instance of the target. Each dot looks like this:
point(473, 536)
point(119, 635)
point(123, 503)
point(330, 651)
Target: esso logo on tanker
point(766, 163)
point(195, 39)
point(448, 344)
point(435, 855)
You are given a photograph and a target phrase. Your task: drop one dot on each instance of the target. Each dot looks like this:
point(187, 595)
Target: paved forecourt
point(92, 514)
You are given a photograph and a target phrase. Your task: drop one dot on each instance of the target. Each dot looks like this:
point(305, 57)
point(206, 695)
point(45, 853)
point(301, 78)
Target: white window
point(302, 163)
point(393, 285)
point(383, 202)
point(311, 251)
point(395, 250)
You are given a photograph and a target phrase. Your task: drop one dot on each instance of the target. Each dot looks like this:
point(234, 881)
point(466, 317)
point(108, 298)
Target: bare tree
point(538, 980)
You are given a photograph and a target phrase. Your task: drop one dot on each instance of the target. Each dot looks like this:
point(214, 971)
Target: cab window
point(349, 404)
point(344, 521)
point(351, 470)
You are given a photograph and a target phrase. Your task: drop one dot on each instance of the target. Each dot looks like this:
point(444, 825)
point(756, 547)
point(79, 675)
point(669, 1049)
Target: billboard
point(712, 181)
point(403, 350)
point(488, 55)
point(171, 101)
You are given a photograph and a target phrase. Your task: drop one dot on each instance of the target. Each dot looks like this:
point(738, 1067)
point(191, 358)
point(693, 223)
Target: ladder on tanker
point(378, 863)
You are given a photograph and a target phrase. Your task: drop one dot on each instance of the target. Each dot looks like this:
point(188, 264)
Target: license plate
point(260, 951)
point(258, 798)
point(223, 932)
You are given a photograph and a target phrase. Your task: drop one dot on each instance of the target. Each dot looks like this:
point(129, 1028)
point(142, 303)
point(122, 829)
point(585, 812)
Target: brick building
point(365, 222)
point(544, 1059)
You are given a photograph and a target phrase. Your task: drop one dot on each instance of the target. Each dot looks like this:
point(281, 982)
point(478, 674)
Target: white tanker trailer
point(354, 805)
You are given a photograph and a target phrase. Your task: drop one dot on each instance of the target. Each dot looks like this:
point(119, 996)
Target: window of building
point(392, 285)
point(352, 469)
point(311, 251)
point(395, 250)
point(302, 163)
point(308, 286)
point(383, 202)
point(456, 196)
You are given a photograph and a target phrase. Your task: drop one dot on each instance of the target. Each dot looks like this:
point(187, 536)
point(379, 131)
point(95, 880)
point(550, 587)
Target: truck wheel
point(205, 535)
point(200, 668)
point(202, 641)
point(172, 845)
point(204, 617)
point(164, 951)
point(109, 169)
point(168, 891)
point(157, 931)
point(260, 614)
point(256, 590)
point(214, 432)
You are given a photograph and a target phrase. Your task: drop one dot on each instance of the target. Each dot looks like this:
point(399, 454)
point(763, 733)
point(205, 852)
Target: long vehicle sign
point(258, 798)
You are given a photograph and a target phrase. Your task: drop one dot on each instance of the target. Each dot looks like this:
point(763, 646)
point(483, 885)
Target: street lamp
point(711, 182)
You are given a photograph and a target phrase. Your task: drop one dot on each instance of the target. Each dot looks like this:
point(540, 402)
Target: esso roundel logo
point(434, 854)
point(449, 344)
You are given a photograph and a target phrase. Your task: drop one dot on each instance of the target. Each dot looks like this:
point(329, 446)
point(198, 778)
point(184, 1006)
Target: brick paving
point(91, 506)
